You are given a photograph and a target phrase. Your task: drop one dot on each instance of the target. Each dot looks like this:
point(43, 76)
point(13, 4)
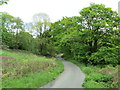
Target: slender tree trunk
point(90, 47)
point(95, 45)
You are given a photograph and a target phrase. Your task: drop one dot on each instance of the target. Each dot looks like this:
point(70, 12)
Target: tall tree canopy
point(9, 27)
point(88, 36)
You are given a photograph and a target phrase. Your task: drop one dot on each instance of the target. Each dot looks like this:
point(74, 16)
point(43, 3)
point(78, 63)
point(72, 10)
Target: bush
point(113, 71)
point(87, 70)
point(94, 84)
point(99, 77)
point(105, 55)
point(97, 80)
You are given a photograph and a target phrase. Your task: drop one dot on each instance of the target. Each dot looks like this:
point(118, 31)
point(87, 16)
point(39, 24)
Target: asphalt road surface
point(72, 77)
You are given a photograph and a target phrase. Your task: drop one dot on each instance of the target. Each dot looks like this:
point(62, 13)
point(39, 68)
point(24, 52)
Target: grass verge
point(99, 77)
point(27, 70)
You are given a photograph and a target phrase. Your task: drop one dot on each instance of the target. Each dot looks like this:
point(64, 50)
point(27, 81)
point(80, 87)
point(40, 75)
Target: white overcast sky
point(56, 9)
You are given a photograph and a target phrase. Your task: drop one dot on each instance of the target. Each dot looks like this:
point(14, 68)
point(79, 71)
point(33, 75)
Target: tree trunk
point(95, 45)
point(90, 47)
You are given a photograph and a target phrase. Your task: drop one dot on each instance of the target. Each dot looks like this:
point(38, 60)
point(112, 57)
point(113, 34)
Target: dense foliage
point(93, 37)
point(16, 36)
point(97, 77)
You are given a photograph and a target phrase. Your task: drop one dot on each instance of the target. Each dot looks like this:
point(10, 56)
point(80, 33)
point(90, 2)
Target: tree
point(18, 25)
point(100, 21)
point(66, 32)
point(88, 37)
point(10, 26)
point(5, 28)
point(41, 23)
point(102, 25)
point(26, 41)
point(41, 26)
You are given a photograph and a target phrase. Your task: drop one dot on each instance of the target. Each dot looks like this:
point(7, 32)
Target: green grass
point(99, 77)
point(22, 55)
point(28, 70)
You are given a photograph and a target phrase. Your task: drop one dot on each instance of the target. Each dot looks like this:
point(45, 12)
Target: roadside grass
point(99, 77)
point(28, 70)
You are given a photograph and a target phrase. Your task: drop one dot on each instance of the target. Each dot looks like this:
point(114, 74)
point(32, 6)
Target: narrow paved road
point(72, 77)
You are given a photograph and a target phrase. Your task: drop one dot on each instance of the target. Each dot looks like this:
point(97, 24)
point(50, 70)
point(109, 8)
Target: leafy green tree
point(10, 26)
point(89, 34)
point(65, 27)
point(102, 24)
point(100, 21)
point(41, 26)
point(5, 28)
point(49, 49)
point(26, 41)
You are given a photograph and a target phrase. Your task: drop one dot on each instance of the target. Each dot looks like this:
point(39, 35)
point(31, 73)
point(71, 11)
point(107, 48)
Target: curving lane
point(72, 77)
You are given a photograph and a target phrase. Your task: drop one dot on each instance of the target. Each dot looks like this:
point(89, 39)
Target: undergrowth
point(99, 77)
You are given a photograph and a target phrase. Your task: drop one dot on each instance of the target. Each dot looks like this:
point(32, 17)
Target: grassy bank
point(99, 77)
point(22, 69)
